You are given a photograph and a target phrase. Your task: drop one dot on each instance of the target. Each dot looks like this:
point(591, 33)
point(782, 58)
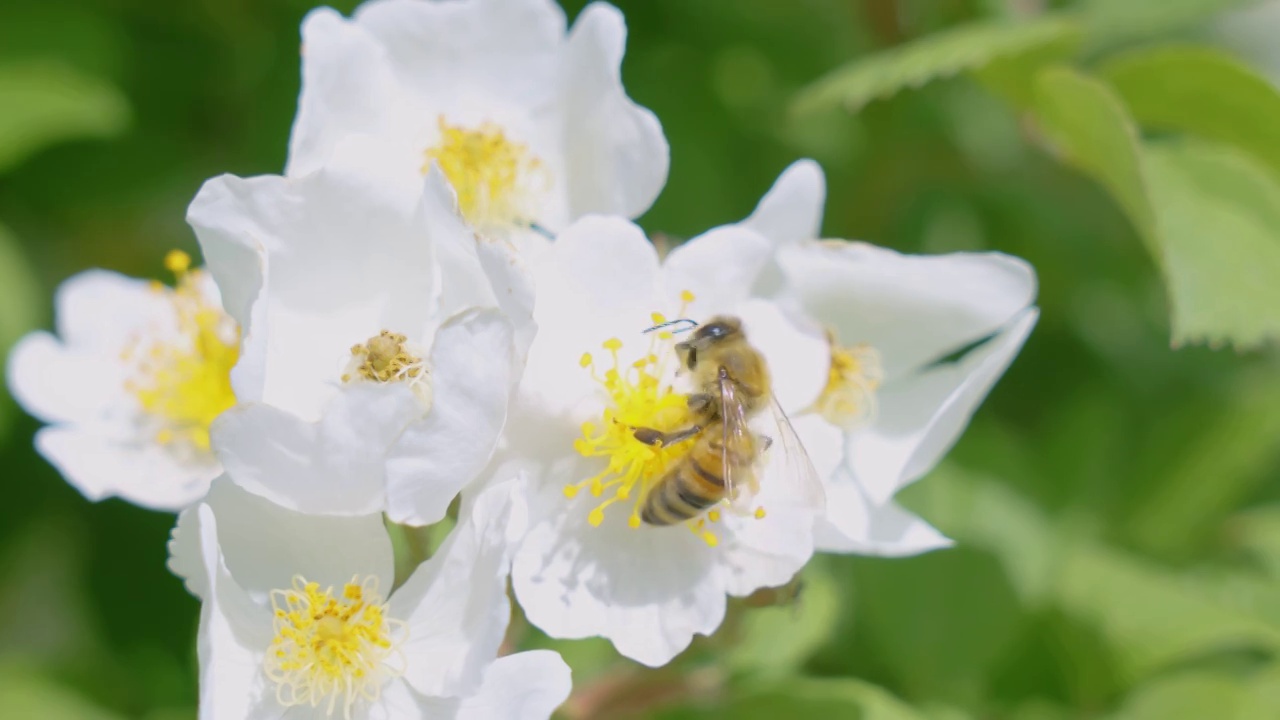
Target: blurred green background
point(1115, 501)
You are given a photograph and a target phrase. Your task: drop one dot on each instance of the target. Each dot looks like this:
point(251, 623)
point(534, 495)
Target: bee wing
point(799, 477)
point(733, 415)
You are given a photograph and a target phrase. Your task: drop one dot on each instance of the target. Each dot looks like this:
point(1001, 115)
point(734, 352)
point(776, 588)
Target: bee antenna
point(686, 322)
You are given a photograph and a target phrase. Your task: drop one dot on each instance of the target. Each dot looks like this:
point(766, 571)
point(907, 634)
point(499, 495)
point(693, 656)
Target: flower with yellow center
point(527, 118)
point(498, 181)
point(132, 385)
point(294, 620)
point(849, 398)
point(333, 651)
point(589, 564)
point(183, 383)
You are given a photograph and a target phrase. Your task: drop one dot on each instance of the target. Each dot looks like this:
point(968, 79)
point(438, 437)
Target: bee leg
point(649, 436)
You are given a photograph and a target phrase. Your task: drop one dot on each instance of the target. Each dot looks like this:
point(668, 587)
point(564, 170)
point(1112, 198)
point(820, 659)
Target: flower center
point(497, 180)
point(849, 399)
point(386, 358)
point(330, 650)
point(183, 383)
point(639, 395)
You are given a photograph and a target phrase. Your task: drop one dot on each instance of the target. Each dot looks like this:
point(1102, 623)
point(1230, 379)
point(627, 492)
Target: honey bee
point(731, 387)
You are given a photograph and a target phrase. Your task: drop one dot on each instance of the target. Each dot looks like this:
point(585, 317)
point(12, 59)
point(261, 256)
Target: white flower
point(589, 566)
point(890, 318)
point(531, 126)
point(131, 384)
point(382, 339)
point(299, 618)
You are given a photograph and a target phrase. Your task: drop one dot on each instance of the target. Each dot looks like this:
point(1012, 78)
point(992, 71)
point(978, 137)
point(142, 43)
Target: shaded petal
point(648, 590)
point(455, 604)
point(333, 466)
point(921, 417)
point(234, 632)
point(347, 85)
point(471, 381)
point(264, 545)
point(142, 473)
point(57, 383)
point(444, 50)
point(856, 525)
point(617, 155)
point(913, 309)
point(718, 267)
point(792, 209)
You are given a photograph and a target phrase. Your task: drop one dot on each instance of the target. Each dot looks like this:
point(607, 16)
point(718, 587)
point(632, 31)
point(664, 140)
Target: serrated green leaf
point(943, 54)
point(46, 102)
point(1220, 220)
point(777, 640)
point(1209, 215)
point(1165, 88)
point(1151, 616)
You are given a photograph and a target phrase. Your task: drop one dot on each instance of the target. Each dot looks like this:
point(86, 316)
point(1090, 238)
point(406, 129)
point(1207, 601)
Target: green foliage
point(48, 102)
point(936, 56)
point(844, 699)
point(1110, 23)
point(778, 640)
point(26, 694)
point(1201, 91)
point(20, 305)
point(1209, 215)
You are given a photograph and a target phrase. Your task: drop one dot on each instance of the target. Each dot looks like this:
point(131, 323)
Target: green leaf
point(1209, 215)
point(1206, 694)
point(1220, 219)
point(1233, 452)
point(943, 54)
point(1154, 617)
point(777, 640)
point(21, 302)
point(834, 699)
point(1165, 89)
point(1257, 531)
point(46, 102)
point(1112, 22)
point(24, 693)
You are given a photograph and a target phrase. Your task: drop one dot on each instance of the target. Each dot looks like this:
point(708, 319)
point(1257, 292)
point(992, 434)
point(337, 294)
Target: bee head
point(715, 331)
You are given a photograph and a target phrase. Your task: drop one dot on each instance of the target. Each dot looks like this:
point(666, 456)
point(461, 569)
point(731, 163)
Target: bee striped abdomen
point(689, 488)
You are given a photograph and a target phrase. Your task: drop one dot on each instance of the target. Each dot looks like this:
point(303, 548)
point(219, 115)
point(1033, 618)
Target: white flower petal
point(234, 630)
point(718, 267)
point(792, 209)
point(100, 309)
point(144, 474)
point(455, 604)
point(856, 525)
point(648, 590)
point(444, 50)
point(798, 360)
point(618, 156)
point(912, 309)
point(334, 466)
point(347, 79)
point(57, 383)
point(264, 545)
point(524, 686)
point(471, 380)
point(347, 258)
point(921, 417)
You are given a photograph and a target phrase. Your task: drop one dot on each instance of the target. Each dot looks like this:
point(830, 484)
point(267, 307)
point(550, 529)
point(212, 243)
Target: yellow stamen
point(386, 358)
point(497, 180)
point(849, 398)
point(330, 650)
point(183, 382)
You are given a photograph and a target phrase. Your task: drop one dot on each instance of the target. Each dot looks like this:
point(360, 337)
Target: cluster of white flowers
point(442, 304)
